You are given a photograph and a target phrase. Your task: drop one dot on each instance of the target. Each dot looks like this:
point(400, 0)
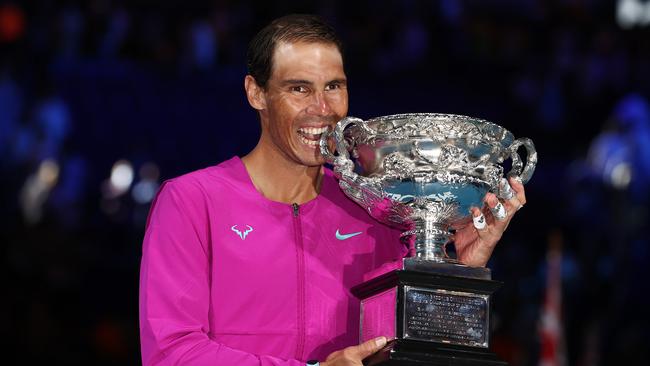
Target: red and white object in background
point(551, 334)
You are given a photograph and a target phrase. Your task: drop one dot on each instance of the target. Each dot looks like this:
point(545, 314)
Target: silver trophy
point(422, 173)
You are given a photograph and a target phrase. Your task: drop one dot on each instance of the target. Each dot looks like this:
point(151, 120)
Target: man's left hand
point(475, 243)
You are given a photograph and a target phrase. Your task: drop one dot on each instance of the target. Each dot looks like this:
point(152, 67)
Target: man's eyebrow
point(307, 82)
point(338, 81)
point(295, 82)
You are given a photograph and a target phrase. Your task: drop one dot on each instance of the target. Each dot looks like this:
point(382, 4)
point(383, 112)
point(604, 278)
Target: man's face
point(306, 93)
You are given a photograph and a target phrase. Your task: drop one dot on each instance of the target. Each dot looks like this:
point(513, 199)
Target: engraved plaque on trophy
point(443, 315)
point(422, 173)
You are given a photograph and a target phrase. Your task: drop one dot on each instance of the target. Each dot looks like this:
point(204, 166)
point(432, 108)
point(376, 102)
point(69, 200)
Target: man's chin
point(311, 157)
point(314, 164)
point(316, 161)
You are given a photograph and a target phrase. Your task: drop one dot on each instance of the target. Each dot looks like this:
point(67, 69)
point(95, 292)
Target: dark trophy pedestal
point(435, 319)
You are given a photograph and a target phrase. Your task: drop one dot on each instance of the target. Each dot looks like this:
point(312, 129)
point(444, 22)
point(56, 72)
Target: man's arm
point(175, 292)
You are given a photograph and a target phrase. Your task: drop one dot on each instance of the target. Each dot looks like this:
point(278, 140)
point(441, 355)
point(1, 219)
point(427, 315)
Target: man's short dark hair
point(290, 28)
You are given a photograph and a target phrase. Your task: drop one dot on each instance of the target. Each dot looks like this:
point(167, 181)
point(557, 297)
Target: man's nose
point(319, 105)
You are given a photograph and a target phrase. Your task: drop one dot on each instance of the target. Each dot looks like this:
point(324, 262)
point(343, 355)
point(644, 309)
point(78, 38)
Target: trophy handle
point(341, 161)
point(362, 190)
point(518, 169)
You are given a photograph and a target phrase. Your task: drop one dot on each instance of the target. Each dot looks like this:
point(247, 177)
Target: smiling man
point(250, 262)
point(304, 95)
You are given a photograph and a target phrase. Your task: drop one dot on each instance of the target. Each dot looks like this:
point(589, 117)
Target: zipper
point(300, 264)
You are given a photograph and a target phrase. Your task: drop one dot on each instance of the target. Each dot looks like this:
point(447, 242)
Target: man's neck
point(281, 180)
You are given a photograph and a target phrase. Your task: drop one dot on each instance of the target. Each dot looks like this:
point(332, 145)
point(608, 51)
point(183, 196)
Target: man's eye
point(298, 89)
point(333, 86)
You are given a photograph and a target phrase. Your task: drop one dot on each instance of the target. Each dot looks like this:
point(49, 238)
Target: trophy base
point(403, 352)
point(432, 318)
point(448, 267)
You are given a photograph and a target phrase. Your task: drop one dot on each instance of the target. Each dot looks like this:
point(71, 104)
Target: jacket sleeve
point(175, 286)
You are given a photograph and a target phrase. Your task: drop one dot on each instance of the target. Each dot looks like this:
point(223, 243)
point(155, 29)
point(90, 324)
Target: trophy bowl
point(422, 172)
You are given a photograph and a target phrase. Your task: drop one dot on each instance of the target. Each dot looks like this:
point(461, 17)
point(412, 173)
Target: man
point(250, 262)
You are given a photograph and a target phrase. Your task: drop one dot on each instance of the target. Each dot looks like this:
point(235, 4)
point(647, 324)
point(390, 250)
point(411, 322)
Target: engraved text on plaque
point(446, 316)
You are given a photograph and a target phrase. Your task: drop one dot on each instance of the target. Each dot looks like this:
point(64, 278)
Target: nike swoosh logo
point(340, 236)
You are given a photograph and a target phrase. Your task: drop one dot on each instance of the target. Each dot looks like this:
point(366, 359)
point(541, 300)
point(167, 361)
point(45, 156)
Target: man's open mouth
point(311, 135)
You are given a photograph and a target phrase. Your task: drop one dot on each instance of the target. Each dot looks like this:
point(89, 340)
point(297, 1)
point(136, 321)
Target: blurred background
point(102, 100)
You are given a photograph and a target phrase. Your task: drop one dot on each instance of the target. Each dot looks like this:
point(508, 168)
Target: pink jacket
point(231, 278)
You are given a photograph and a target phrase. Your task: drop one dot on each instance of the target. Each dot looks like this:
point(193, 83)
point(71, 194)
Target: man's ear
point(254, 93)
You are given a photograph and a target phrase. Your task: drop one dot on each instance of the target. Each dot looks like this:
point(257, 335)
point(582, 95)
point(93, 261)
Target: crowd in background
point(102, 100)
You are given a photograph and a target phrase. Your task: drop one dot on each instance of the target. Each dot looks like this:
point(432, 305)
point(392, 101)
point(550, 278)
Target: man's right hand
point(354, 355)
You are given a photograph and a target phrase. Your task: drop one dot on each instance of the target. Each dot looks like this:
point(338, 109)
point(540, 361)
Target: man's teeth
point(308, 142)
point(311, 135)
point(312, 130)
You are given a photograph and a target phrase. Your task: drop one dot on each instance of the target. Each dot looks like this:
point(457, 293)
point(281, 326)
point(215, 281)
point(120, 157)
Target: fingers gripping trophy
point(422, 173)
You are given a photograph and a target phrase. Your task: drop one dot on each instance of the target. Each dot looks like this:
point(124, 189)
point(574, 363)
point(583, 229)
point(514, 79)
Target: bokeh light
point(12, 23)
point(121, 177)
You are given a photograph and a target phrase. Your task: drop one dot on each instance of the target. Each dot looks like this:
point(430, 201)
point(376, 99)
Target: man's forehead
point(305, 52)
point(309, 62)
